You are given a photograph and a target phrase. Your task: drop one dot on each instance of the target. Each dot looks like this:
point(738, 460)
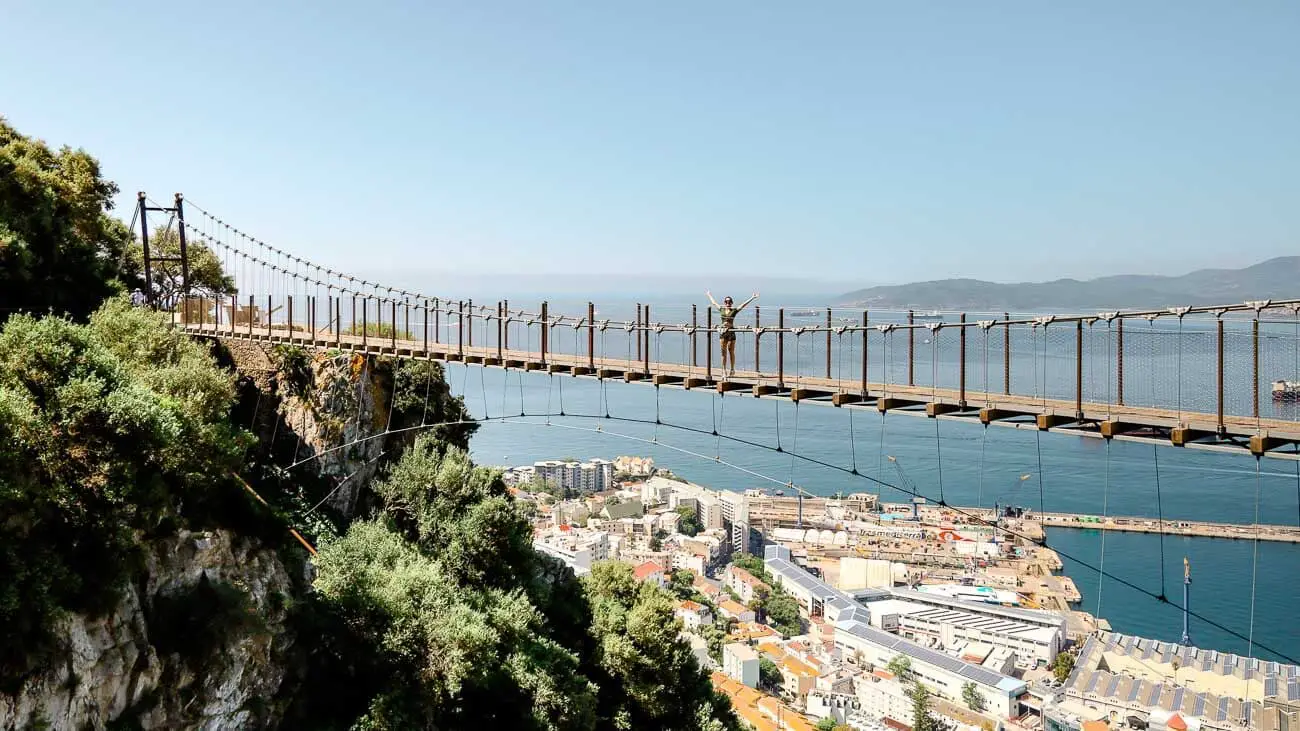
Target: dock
point(1031, 524)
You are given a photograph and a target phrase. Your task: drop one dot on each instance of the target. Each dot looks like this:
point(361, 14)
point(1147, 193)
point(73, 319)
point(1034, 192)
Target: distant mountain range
point(1273, 279)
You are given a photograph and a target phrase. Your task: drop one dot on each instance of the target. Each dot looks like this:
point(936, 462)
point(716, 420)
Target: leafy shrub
point(106, 430)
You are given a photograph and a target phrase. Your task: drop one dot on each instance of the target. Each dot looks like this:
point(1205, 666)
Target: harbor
point(1031, 524)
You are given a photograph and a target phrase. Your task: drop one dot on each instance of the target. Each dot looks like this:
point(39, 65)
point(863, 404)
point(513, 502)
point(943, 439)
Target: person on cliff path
point(728, 311)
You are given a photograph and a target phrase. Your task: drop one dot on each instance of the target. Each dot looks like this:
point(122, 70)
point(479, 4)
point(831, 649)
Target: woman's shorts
point(729, 336)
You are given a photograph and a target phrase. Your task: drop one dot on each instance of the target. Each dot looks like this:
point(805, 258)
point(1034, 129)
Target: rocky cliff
point(326, 411)
point(198, 641)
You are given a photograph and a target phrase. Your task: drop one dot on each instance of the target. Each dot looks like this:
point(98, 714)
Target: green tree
point(826, 724)
point(971, 695)
point(682, 584)
point(1062, 666)
point(783, 614)
point(60, 249)
point(753, 564)
point(761, 595)
point(421, 395)
point(769, 675)
point(901, 666)
point(922, 718)
point(689, 523)
point(207, 276)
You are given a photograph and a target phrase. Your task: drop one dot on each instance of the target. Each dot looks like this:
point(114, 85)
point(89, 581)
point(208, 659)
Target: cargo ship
point(1286, 390)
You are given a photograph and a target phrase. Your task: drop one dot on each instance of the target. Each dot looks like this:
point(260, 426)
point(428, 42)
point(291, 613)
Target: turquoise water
point(979, 465)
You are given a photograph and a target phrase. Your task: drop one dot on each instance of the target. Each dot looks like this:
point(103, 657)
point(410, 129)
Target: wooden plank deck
point(1165, 426)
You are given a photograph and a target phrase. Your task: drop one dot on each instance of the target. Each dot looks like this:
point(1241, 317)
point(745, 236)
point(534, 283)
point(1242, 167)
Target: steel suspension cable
point(1254, 570)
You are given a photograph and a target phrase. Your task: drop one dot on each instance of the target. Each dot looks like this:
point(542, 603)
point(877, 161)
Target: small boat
point(932, 315)
point(1286, 390)
point(806, 313)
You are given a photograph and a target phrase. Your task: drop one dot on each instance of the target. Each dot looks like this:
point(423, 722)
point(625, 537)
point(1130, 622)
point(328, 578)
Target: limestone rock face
point(328, 410)
point(136, 663)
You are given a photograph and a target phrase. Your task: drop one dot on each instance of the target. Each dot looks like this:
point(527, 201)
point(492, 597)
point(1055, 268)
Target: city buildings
point(634, 466)
point(943, 674)
point(651, 572)
point(593, 475)
point(745, 584)
point(1167, 685)
point(693, 614)
point(740, 662)
point(949, 627)
point(733, 610)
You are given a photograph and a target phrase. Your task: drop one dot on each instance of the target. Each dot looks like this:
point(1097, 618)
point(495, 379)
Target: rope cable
point(1160, 516)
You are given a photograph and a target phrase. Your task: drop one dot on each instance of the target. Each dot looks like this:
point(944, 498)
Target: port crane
point(917, 500)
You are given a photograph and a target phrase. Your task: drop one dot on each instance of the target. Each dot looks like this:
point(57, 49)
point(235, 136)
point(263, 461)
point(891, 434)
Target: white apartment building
point(740, 662)
point(593, 475)
point(880, 695)
point(595, 543)
point(656, 490)
point(743, 583)
point(735, 513)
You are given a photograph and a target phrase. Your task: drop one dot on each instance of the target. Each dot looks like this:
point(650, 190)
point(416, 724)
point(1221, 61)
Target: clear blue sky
point(855, 141)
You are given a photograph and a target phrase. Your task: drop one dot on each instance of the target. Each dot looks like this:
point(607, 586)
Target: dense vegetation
point(109, 433)
point(59, 248)
point(471, 628)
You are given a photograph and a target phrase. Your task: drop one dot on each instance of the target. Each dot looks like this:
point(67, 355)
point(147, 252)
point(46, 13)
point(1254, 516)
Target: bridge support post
point(1219, 323)
point(780, 347)
point(469, 308)
point(1006, 354)
point(460, 328)
point(708, 348)
point(338, 321)
point(757, 338)
point(911, 348)
point(961, 356)
point(645, 333)
point(1254, 360)
point(1119, 361)
point(252, 305)
point(393, 312)
point(268, 316)
point(636, 331)
point(865, 330)
point(437, 318)
point(185, 251)
point(289, 315)
point(425, 308)
point(828, 342)
point(591, 336)
point(695, 337)
point(144, 243)
point(546, 332)
point(365, 325)
point(1078, 369)
point(501, 327)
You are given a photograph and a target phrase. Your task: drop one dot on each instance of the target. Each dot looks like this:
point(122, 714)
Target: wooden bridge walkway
point(1258, 436)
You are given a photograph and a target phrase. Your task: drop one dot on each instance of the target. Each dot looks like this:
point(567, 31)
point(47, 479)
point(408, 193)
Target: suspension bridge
point(1204, 377)
point(1223, 376)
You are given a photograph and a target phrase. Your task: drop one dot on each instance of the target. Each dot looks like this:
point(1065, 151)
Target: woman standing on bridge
point(728, 337)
